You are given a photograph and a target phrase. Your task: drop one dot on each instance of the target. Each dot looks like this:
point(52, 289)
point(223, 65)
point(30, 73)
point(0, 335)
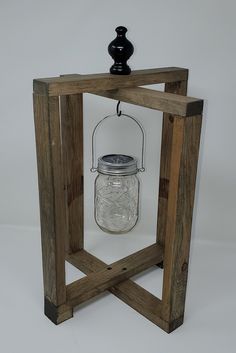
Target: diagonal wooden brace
point(128, 291)
point(110, 275)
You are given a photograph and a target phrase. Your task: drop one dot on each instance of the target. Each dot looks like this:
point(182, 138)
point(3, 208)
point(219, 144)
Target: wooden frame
point(58, 111)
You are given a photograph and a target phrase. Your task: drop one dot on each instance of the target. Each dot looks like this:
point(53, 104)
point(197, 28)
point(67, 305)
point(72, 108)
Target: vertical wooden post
point(179, 87)
point(182, 176)
point(52, 205)
point(72, 146)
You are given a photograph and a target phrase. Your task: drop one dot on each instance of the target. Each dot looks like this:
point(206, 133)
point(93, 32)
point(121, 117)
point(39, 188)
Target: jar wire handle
point(118, 113)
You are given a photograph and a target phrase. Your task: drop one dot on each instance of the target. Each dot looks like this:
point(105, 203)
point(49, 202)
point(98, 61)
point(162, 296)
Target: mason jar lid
point(117, 164)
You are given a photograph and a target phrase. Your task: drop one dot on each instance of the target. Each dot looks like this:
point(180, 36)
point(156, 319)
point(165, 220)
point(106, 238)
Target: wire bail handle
point(118, 113)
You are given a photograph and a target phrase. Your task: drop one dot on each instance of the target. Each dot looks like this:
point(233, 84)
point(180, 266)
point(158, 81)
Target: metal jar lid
point(117, 164)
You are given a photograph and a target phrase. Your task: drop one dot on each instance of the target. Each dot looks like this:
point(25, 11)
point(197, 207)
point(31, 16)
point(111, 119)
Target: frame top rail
point(166, 102)
point(73, 84)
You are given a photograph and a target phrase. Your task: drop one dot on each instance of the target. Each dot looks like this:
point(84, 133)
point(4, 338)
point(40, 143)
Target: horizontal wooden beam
point(73, 84)
point(95, 283)
point(166, 102)
point(128, 291)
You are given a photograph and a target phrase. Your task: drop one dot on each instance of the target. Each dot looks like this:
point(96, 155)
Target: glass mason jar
point(116, 193)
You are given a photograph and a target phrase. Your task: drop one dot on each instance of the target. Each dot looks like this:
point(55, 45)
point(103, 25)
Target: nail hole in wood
point(109, 268)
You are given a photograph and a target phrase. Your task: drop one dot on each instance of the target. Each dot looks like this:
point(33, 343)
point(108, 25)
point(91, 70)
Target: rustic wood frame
point(58, 112)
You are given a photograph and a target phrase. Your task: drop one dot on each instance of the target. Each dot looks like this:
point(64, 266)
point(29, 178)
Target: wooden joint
point(194, 108)
point(95, 283)
point(57, 314)
point(177, 87)
point(161, 264)
point(40, 87)
point(128, 291)
point(74, 84)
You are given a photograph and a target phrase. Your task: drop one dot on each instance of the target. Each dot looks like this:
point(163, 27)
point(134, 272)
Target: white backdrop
point(48, 38)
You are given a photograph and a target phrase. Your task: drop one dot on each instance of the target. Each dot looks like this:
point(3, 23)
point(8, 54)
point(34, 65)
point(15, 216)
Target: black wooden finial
point(120, 50)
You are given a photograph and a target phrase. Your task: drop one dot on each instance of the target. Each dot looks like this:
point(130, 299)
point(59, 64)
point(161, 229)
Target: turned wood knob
point(120, 50)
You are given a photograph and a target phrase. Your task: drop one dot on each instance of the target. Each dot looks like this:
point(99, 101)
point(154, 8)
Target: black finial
point(120, 50)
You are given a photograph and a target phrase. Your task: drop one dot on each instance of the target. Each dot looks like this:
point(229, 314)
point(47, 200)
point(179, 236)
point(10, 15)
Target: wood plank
point(128, 291)
point(95, 283)
point(52, 197)
point(183, 169)
point(72, 147)
point(73, 84)
point(166, 148)
point(163, 101)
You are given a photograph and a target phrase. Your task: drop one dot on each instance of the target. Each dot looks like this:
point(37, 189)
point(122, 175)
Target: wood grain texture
point(57, 314)
point(166, 148)
point(74, 84)
point(60, 169)
point(182, 169)
point(52, 196)
point(163, 101)
point(128, 291)
point(95, 283)
point(72, 147)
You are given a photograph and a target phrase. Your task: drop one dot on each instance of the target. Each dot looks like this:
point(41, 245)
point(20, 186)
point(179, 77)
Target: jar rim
point(117, 164)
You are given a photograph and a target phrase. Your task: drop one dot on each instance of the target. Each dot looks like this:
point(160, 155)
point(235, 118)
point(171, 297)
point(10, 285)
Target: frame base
point(114, 278)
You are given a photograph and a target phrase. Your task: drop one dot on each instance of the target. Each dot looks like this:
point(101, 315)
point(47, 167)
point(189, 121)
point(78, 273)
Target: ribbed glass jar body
point(116, 202)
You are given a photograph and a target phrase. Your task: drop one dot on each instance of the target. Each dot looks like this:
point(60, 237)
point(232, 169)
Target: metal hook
point(118, 112)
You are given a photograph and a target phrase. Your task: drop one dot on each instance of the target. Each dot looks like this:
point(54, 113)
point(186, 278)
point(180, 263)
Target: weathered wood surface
point(128, 291)
point(60, 170)
point(57, 314)
point(166, 148)
point(72, 147)
point(182, 177)
point(163, 101)
point(95, 283)
point(73, 84)
point(52, 196)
